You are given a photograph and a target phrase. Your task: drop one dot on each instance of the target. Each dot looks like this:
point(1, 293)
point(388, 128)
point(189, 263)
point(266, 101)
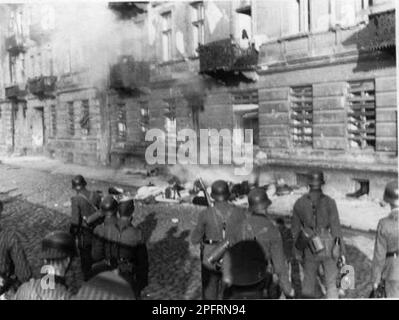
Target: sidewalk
point(361, 214)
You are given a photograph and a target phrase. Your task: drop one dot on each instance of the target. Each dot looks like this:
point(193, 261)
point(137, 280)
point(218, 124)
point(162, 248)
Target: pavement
point(39, 202)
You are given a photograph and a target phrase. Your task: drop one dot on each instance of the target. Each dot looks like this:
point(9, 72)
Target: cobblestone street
point(41, 204)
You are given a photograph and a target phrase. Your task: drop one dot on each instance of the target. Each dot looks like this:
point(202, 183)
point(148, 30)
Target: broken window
point(144, 117)
point(71, 119)
point(121, 127)
point(246, 114)
point(85, 120)
point(301, 116)
point(361, 114)
point(198, 25)
point(53, 120)
point(167, 36)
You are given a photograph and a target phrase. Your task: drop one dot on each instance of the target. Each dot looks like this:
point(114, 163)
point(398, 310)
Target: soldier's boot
point(330, 274)
point(310, 270)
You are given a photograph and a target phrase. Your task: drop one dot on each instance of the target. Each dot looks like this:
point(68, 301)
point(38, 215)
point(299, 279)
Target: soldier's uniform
point(316, 214)
point(107, 285)
point(84, 204)
point(244, 272)
point(56, 248)
point(259, 227)
point(215, 225)
point(121, 246)
point(386, 250)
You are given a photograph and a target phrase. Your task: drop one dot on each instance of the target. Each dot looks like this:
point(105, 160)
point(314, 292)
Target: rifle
point(207, 196)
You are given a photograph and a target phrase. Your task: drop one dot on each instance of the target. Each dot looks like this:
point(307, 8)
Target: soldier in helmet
point(58, 250)
point(260, 228)
point(14, 266)
point(386, 250)
point(121, 245)
point(215, 225)
point(318, 237)
point(84, 204)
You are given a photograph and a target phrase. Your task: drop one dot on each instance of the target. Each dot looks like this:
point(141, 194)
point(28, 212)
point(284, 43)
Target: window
point(85, 120)
point(198, 25)
point(71, 119)
point(301, 116)
point(361, 114)
point(121, 122)
point(246, 114)
point(53, 112)
point(167, 36)
point(144, 117)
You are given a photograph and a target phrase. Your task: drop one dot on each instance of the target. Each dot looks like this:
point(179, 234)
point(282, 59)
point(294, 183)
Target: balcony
point(244, 7)
point(225, 58)
point(129, 75)
point(15, 44)
point(15, 92)
point(42, 86)
point(74, 80)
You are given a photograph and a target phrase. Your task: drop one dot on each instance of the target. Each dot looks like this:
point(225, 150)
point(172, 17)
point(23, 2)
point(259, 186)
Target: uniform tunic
point(210, 228)
point(121, 245)
point(13, 260)
point(387, 241)
point(327, 223)
point(82, 208)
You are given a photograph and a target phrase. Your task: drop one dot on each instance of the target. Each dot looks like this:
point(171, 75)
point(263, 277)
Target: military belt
point(394, 254)
point(211, 241)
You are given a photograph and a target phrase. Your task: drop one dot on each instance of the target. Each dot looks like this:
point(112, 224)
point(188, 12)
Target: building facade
point(314, 80)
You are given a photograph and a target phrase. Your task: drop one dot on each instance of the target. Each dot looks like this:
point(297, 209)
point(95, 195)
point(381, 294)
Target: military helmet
point(126, 207)
point(58, 245)
point(109, 205)
point(391, 194)
point(220, 190)
point(244, 264)
point(258, 200)
point(316, 178)
point(78, 182)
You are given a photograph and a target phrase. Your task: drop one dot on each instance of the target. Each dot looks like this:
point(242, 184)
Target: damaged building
point(314, 80)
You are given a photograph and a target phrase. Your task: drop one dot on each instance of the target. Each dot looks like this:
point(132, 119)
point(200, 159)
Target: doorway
point(38, 129)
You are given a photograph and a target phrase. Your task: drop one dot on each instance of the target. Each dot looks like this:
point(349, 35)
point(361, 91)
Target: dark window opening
point(301, 116)
point(361, 126)
point(53, 120)
point(71, 119)
point(144, 117)
point(85, 120)
point(362, 187)
point(121, 122)
point(302, 179)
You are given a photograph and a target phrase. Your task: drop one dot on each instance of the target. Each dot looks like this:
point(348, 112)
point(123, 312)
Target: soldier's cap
point(244, 264)
point(391, 193)
point(58, 245)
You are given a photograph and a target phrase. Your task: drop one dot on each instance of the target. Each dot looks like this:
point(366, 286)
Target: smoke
point(90, 36)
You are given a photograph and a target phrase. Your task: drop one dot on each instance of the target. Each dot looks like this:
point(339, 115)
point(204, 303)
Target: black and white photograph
point(215, 151)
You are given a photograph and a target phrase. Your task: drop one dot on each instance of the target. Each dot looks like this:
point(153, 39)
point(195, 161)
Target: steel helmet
point(78, 182)
point(220, 190)
point(316, 178)
point(58, 245)
point(391, 194)
point(109, 206)
point(258, 200)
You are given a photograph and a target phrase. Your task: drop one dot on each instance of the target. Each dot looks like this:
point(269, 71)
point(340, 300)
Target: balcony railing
point(129, 75)
point(42, 86)
point(15, 92)
point(226, 55)
point(15, 44)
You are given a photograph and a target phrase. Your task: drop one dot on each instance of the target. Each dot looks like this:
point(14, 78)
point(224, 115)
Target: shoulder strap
point(223, 218)
point(87, 200)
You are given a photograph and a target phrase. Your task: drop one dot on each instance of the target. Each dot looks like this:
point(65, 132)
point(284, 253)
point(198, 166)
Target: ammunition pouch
point(212, 254)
